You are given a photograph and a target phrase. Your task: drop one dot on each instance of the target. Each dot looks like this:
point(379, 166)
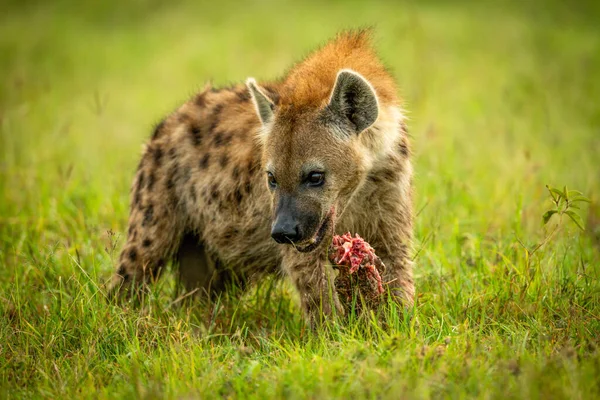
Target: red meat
point(359, 269)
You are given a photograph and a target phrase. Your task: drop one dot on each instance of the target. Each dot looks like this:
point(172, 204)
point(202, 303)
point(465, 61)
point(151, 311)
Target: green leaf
point(547, 215)
point(575, 218)
point(580, 198)
point(575, 192)
point(551, 194)
point(558, 192)
point(566, 193)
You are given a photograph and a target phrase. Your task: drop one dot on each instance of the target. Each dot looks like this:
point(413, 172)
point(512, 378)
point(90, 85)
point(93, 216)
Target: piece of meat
point(359, 274)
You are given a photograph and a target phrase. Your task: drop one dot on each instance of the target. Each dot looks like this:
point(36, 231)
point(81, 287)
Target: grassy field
point(504, 98)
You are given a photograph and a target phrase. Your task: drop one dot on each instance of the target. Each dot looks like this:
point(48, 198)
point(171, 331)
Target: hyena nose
point(285, 232)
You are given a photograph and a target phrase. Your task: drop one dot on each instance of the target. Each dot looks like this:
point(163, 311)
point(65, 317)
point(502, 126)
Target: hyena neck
point(381, 140)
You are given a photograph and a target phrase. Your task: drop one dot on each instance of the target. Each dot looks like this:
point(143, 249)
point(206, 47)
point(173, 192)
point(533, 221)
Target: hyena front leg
point(202, 274)
point(398, 274)
point(197, 271)
point(392, 245)
point(154, 228)
point(392, 240)
point(313, 278)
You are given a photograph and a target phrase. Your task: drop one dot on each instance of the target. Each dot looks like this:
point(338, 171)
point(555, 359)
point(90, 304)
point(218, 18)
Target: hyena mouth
point(320, 235)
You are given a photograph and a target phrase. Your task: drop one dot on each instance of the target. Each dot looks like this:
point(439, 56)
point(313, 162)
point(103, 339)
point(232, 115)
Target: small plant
point(565, 202)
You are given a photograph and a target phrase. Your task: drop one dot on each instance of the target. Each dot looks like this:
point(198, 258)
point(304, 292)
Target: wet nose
point(285, 232)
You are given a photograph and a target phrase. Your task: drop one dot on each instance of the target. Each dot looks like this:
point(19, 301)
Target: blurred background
point(503, 98)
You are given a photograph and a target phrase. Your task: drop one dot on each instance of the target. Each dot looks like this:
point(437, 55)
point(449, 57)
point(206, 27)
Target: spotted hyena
point(255, 179)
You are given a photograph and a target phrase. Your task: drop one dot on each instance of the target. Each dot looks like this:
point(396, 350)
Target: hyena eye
point(315, 178)
point(271, 180)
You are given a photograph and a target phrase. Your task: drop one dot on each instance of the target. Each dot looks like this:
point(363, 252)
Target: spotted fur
point(200, 197)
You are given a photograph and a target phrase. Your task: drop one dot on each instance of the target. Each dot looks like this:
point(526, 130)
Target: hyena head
point(312, 157)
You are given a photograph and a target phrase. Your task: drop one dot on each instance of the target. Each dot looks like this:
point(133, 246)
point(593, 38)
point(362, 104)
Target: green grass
point(503, 99)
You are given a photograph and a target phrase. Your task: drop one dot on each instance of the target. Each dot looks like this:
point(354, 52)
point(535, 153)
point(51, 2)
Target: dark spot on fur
point(374, 178)
point(404, 128)
point(253, 260)
point(140, 181)
point(158, 129)
point(215, 192)
point(248, 187)
point(223, 205)
point(138, 188)
point(230, 233)
point(172, 153)
point(243, 95)
point(193, 193)
point(204, 161)
point(196, 135)
point(148, 215)
point(403, 148)
point(123, 272)
point(390, 175)
point(215, 117)
point(200, 99)
point(170, 182)
point(183, 118)
point(157, 155)
point(132, 254)
point(238, 196)
point(137, 198)
point(224, 160)
point(147, 243)
point(273, 95)
point(218, 139)
point(172, 176)
point(236, 173)
point(151, 180)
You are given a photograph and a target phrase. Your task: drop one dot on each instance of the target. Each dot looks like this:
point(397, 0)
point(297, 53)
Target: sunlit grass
point(502, 100)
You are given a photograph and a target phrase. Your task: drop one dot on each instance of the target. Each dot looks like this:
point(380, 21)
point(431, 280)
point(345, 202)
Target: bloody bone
point(359, 271)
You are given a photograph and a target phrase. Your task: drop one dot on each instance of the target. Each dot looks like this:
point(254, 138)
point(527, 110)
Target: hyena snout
point(291, 224)
point(286, 229)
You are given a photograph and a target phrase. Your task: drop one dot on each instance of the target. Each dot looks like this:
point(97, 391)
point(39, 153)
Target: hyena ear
point(263, 104)
point(354, 99)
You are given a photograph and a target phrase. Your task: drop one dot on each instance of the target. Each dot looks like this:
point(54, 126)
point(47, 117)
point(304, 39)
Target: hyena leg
point(398, 275)
point(154, 226)
point(145, 254)
point(200, 273)
point(392, 240)
point(313, 278)
point(196, 269)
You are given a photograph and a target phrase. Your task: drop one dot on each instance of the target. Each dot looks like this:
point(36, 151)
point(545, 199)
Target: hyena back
point(255, 179)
